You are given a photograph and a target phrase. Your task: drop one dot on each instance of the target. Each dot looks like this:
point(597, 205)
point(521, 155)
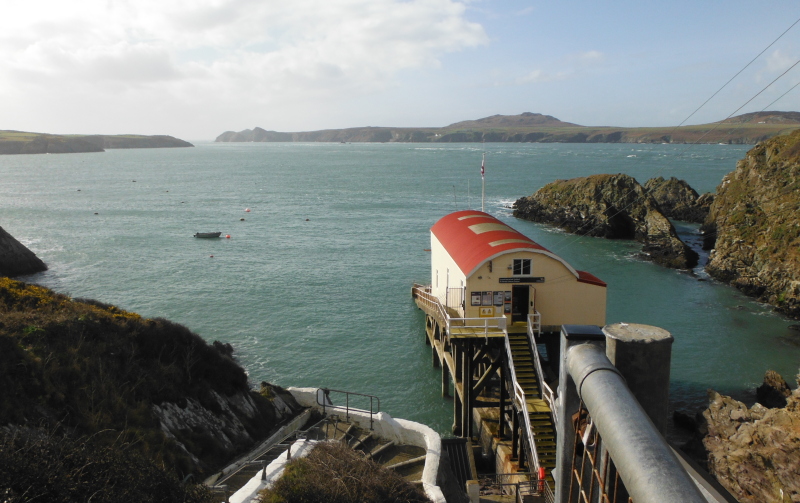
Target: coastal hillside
point(539, 128)
point(754, 225)
point(83, 369)
point(20, 142)
point(609, 206)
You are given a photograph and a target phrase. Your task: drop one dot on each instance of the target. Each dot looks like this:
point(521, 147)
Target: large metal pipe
point(644, 460)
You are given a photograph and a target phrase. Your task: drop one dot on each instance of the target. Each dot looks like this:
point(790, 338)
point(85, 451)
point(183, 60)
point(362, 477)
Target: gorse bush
point(334, 473)
point(38, 466)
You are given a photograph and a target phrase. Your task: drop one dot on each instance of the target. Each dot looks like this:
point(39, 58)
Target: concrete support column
point(642, 354)
point(567, 405)
point(434, 356)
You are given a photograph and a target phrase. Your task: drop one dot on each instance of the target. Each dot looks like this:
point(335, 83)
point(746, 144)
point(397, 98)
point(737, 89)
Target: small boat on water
point(207, 234)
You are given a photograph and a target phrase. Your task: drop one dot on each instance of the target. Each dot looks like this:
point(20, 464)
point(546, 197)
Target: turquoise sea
point(313, 287)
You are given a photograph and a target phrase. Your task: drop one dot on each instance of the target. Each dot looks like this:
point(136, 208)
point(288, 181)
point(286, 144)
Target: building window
point(522, 267)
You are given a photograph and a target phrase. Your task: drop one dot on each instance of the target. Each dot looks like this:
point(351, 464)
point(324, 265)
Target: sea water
point(313, 286)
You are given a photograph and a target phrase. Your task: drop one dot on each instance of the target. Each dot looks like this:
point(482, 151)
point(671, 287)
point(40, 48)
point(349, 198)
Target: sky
point(196, 68)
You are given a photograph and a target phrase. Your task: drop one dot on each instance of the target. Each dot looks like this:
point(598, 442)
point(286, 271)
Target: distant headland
point(21, 142)
point(530, 127)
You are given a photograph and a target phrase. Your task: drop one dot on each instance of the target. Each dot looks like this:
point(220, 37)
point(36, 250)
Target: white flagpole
point(483, 182)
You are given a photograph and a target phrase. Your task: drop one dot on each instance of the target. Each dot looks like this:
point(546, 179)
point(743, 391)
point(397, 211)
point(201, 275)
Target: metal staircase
point(534, 395)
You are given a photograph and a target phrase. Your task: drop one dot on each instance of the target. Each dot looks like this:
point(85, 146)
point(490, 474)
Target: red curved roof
point(471, 237)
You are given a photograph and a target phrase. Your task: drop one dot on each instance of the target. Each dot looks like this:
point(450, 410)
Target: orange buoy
point(227, 236)
point(247, 210)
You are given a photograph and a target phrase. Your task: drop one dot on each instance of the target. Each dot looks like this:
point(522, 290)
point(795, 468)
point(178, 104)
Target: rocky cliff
point(754, 452)
point(16, 259)
point(91, 369)
point(677, 199)
point(753, 225)
point(610, 206)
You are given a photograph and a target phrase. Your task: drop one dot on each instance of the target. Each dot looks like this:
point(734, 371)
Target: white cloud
point(569, 67)
point(251, 50)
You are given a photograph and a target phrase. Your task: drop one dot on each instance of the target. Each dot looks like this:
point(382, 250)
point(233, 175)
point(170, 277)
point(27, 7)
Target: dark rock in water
point(773, 391)
point(223, 348)
point(796, 328)
point(684, 420)
point(16, 259)
point(676, 199)
point(754, 225)
point(610, 206)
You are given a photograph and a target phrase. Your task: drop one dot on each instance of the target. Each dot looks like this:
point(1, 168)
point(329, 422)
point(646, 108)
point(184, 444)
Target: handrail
point(522, 405)
point(431, 301)
point(326, 398)
point(534, 327)
point(498, 323)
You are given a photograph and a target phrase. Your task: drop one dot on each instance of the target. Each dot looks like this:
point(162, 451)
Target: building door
point(520, 299)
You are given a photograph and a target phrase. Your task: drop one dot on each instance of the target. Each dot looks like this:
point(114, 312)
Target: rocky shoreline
point(754, 452)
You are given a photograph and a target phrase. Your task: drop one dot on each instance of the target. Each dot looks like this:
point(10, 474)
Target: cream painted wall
point(442, 262)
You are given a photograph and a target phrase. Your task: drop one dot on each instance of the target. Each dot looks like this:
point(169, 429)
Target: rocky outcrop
point(774, 391)
point(754, 452)
point(677, 199)
point(754, 225)
point(610, 206)
point(16, 259)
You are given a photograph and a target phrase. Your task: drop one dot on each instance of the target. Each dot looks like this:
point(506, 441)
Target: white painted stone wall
point(401, 431)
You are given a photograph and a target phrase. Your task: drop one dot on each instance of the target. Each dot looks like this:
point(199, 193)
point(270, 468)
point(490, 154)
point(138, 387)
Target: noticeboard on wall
point(486, 298)
point(476, 298)
point(498, 298)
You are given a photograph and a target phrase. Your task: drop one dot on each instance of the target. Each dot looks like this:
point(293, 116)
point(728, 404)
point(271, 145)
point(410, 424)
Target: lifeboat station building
point(496, 300)
point(482, 268)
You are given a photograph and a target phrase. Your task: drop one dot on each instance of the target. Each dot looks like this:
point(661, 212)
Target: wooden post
point(502, 426)
point(445, 378)
point(457, 405)
point(514, 434)
point(466, 386)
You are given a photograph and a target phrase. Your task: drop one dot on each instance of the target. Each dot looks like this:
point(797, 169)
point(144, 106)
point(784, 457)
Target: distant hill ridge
point(531, 127)
point(22, 142)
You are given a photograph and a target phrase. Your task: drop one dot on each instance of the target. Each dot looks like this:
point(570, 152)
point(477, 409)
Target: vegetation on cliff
point(83, 368)
point(20, 142)
point(754, 225)
point(538, 128)
point(39, 466)
point(610, 206)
